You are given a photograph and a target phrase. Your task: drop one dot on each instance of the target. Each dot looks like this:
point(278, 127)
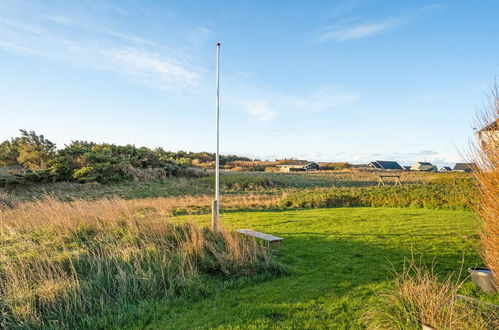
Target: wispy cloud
point(356, 31)
point(264, 108)
point(350, 29)
point(424, 152)
point(138, 58)
point(260, 110)
point(150, 68)
point(322, 99)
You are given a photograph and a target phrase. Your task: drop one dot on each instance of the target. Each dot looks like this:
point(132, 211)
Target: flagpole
point(216, 202)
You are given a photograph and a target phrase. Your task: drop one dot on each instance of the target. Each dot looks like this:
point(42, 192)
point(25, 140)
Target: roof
point(425, 163)
point(447, 168)
point(387, 165)
point(494, 126)
point(296, 162)
point(463, 166)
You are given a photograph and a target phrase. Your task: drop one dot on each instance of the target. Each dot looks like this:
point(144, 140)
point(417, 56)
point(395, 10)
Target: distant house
point(385, 165)
point(407, 168)
point(445, 169)
point(298, 166)
point(463, 167)
point(424, 166)
point(489, 134)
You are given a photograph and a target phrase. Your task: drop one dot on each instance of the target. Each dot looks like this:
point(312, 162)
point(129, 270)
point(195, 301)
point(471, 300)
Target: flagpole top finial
point(218, 44)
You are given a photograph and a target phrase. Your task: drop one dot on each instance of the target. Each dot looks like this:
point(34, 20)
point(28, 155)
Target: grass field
point(337, 258)
point(231, 183)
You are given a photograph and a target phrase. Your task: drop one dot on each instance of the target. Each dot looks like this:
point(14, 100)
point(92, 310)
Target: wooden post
point(214, 216)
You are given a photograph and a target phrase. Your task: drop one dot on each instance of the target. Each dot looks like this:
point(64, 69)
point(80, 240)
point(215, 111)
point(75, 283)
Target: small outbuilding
point(463, 167)
point(298, 166)
point(445, 169)
point(385, 165)
point(424, 166)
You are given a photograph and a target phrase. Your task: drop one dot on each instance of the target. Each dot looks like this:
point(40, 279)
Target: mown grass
point(338, 258)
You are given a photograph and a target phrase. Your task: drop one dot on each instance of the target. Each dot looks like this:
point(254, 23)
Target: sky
point(320, 80)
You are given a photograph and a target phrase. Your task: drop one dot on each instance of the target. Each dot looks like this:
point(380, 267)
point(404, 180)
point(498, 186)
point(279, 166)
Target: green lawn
point(337, 259)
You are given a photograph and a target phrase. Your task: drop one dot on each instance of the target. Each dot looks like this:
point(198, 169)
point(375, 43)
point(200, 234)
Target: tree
point(34, 151)
point(8, 153)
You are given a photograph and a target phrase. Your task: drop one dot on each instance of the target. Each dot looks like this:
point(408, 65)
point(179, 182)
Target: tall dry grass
point(486, 157)
point(61, 263)
point(418, 297)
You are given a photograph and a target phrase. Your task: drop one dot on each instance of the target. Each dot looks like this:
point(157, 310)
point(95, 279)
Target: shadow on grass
point(331, 283)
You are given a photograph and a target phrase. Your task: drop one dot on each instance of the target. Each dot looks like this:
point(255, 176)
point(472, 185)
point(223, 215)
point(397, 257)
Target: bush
point(28, 177)
point(426, 196)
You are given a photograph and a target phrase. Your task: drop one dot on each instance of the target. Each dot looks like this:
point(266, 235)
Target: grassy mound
point(62, 264)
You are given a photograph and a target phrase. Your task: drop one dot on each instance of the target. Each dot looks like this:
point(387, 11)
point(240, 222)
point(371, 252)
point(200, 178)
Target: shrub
point(427, 196)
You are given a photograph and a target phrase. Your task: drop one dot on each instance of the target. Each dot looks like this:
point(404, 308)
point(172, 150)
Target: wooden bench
point(266, 237)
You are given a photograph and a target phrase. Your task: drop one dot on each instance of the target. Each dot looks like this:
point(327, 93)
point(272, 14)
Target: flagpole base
point(214, 216)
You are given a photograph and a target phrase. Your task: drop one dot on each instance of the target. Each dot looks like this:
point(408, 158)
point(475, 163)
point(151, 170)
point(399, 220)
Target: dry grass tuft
point(63, 262)
point(486, 157)
point(5, 200)
point(418, 297)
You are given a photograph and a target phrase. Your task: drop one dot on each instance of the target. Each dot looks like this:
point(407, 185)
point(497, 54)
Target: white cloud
point(134, 57)
point(151, 68)
point(323, 99)
point(259, 110)
point(265, 108)
point(359, 31)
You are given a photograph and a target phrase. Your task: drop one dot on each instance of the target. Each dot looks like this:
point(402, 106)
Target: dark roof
point(425, 163)
point(387, 165)
point(464, 166)
point(297, 162)
point(494, 126)
point(447, 168)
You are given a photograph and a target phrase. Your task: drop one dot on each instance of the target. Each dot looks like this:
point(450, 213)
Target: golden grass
point(61, 262)
point(50, 210)
point(419, 297)
point(486, 157)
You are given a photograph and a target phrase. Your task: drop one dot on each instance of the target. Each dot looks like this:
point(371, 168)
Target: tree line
point(32, 158)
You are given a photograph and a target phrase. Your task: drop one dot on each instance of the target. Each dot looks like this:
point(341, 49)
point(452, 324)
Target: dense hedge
point(425, 196)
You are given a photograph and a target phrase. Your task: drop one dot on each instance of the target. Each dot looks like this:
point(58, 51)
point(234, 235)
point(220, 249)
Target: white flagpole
point(216, 202)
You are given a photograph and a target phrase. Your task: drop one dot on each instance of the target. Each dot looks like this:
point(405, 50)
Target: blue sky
point(320, 80)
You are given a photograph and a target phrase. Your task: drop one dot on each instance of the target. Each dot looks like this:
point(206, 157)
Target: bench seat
point(266, 237)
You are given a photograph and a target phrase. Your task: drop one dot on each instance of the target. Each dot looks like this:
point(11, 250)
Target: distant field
point(231, 183)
